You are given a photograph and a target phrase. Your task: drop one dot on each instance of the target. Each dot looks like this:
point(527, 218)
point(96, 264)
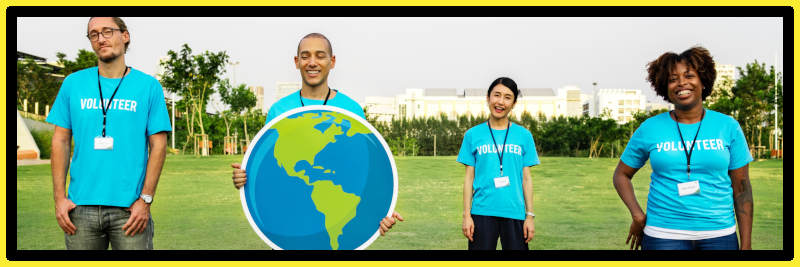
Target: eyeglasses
point(107, 33)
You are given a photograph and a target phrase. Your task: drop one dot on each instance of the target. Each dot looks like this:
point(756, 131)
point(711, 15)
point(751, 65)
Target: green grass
point(196, 206)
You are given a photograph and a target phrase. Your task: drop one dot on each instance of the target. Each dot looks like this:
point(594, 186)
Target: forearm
point(527, 188)
point(624, 188)
point(59, 165)
point(743, 204)
point(155, 162)
point(468, 180)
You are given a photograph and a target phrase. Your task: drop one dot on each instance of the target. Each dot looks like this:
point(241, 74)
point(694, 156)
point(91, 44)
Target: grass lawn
point(196, 206)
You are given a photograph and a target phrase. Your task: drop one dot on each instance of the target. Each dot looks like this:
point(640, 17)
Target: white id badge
point(689, 188)
point(103, 143)
point(501, 182)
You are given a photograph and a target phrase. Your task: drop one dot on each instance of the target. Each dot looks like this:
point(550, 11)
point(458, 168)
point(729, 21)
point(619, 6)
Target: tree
point(194, 78)
point(85, 59)
point(239, 99)
point(35, 83)
point(751, 101)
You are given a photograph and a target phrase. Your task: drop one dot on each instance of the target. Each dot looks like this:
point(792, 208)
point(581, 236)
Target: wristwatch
point(148, 199)
point(530, 214)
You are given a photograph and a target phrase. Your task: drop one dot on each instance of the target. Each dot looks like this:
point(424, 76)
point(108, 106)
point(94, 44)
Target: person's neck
point(317, 92)
point(690, 115)
point(113, 69)
point(498, 124)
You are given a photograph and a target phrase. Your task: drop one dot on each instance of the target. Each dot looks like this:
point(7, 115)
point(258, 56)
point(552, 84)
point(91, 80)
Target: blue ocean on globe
point(352, 174)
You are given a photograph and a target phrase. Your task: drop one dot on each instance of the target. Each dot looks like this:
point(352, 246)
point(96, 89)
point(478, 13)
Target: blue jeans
point(99, 226)
point(728, 242)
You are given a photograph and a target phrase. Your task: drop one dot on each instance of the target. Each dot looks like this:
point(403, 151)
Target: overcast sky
point(383, 56)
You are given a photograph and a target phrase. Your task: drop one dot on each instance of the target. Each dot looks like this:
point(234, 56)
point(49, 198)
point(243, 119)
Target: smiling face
point(501, 100)
point(314, 61)
point(107, 49)
point(684, 87)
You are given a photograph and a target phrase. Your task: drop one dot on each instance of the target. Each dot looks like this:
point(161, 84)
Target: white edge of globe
point(318, 107)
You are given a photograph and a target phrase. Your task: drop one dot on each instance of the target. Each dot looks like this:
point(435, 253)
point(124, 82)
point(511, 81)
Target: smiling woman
point(700, 183)
point(498, 202)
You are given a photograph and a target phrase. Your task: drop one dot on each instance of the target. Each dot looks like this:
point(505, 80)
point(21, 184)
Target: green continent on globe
point(298, 140)
point(338, 206)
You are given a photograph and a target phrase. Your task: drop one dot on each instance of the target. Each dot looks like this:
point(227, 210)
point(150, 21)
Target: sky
point(384, 56)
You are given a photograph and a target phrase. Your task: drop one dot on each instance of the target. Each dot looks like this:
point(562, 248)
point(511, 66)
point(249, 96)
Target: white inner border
point(324, 108)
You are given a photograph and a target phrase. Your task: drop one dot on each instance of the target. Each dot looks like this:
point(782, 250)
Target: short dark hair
point(122, 28)
point(316, 35)
point(697, 58)
point(508, 82)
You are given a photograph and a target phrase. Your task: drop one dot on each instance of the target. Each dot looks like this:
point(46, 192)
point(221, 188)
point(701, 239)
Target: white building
point(618, 104)
point(259, 92)
point(285, 88)
point(452, 102)
point(726, 77)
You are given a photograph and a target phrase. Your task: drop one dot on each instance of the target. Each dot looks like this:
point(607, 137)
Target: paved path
point(23, 162)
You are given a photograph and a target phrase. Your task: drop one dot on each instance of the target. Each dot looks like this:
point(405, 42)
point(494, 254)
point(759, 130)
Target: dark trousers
point(489, 228)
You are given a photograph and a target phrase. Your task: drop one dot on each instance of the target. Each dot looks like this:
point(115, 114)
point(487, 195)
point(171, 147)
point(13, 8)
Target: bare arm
point(140, 211)
point(527, 191)
point(468, 226)
point(743, 204)
point(622, 182)
point(59, 164)
point(155, 162)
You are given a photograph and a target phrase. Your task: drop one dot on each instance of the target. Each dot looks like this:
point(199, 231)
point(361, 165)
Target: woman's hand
point(636, 232)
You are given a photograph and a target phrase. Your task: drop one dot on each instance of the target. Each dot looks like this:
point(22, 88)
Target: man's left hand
point(387, 222)
point(140, 215)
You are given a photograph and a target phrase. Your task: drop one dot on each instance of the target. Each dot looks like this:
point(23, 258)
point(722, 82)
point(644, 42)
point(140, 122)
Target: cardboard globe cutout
point(318, 177)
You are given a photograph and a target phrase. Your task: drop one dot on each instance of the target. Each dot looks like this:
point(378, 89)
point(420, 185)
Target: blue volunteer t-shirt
point(292, 101)
point(720, 147)
point(109, 177)
point(478, 150)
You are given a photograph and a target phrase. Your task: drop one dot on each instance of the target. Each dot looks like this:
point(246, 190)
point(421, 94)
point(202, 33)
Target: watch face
point(147, 199)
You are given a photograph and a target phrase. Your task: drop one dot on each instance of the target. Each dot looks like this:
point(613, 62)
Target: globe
point(318, 178)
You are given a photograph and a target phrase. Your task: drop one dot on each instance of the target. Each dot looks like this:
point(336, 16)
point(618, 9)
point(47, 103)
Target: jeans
point(728, 242)
point(99, 226)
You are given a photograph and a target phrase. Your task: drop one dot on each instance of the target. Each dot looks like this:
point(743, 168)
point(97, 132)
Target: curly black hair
point(697, 58)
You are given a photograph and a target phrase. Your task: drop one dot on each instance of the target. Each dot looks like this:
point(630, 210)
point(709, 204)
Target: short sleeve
point(465, 154)
point(271, 114)
point(531, 157)
point(59, 114)
point(157, 117)
point(740, 153)
point(360, 111)
point(636, 153)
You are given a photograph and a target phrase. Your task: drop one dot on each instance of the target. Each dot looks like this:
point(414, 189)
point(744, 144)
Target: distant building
point(259, 92)
point(726, 78)
point(53, 67)
point(618, 104)
point(452, 102)
point(283, 89)
point(656, 106)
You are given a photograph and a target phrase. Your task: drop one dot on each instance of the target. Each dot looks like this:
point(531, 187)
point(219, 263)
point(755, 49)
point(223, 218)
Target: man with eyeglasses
point(118, 120)
point(314, 60)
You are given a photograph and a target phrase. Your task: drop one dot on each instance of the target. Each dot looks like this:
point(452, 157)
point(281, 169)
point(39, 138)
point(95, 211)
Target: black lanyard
point(691, 150)
point(323, 103)
point(105, 108)
point(502, 151)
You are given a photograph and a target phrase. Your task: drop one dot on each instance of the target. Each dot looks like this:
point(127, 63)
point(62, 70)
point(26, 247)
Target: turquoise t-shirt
point(720, 147)
point(109, 177)
point(292, 101)
point(478, 150)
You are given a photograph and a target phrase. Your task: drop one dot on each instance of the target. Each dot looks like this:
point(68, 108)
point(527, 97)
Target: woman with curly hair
point(700, 185)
